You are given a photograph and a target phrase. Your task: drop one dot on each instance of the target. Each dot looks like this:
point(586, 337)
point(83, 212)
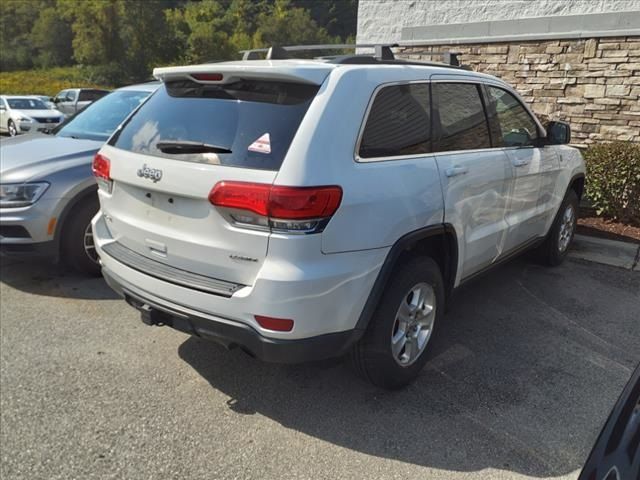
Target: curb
point(609, 252)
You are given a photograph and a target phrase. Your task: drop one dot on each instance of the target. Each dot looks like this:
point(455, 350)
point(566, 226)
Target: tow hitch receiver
point(148, 314)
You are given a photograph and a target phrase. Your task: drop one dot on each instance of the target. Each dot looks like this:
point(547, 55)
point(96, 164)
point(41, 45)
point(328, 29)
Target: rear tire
point(555, 247)
point(395, 346)
point(78, 249)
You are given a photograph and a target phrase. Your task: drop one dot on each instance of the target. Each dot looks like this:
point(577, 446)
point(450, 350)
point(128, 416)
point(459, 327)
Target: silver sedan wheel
point(89, 245)
point(13, 131)
point(566, 228)
point(413, 325)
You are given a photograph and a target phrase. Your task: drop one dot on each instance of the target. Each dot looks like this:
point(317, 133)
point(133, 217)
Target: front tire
point(12, 129)
point(555, 247)
point(394, 348)
point(78, 249)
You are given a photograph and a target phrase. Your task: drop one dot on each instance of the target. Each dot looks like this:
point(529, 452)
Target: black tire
point(555, 247)
point(12, 129)
point(73, 238)
point(372, 357)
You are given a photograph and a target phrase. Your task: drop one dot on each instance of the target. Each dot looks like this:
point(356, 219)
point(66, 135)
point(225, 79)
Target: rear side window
point(399, 122)
point(246, 123)
point(463, 124)
point(90, 95)
point(513, 125)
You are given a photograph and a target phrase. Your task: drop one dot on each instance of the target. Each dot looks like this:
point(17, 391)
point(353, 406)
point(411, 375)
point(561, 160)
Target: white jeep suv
point(305, 209)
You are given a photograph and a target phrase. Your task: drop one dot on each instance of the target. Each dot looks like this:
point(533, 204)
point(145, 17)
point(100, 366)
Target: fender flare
point(404, 244)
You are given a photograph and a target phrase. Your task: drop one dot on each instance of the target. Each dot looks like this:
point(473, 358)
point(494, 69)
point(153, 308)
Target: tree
point(96, 30)
point(147, 36)
point(283, 24)
point(202, 30)
point(17, 18)
point(51, 36)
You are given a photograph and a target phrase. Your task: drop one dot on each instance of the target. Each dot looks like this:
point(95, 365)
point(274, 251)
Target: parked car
point(47, 192)
point(304, 209)
point(21, 114)
point(48, 101)
point(72, 100)
point(616, 454)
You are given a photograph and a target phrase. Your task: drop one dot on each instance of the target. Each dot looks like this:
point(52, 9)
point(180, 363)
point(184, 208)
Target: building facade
point(577, 61)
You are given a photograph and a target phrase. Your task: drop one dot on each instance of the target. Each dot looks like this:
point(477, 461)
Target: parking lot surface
point(525, 369)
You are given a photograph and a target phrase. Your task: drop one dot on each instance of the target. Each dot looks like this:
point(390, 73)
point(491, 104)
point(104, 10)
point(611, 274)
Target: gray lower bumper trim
point(168, 273)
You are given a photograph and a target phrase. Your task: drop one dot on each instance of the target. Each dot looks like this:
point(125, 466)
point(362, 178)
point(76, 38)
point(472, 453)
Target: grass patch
point(47, 82)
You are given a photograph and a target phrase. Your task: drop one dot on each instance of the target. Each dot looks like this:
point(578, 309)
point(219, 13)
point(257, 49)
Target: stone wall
point(594, 84)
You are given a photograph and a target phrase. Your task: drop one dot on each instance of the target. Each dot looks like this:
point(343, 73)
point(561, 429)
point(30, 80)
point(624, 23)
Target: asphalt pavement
point(525, 369)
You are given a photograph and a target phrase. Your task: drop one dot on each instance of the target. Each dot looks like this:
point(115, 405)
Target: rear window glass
point(398, 123)
point(243, 124)
point(463, 125)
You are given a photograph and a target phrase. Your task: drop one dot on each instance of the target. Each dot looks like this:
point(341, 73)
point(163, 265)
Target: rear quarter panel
point(382, 200)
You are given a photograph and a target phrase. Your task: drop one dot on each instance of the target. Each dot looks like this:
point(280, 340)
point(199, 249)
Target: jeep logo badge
point(154, 174)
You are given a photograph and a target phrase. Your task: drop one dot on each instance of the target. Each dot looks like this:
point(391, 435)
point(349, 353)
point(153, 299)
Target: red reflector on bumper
point(277, 324)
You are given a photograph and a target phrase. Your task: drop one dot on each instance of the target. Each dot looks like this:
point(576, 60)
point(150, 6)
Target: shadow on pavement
point(53, 280)
point(527, 365)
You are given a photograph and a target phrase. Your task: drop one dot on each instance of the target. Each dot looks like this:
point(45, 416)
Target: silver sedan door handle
point(456, 170)
point(520, 162)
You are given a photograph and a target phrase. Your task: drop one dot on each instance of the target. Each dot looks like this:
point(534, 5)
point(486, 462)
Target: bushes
point(50, 81)
point(613, 180)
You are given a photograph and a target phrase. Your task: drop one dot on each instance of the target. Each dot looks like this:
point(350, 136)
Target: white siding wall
point(383, 20)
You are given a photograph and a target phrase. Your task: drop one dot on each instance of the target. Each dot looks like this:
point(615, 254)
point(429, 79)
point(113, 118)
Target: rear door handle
point(456, 170)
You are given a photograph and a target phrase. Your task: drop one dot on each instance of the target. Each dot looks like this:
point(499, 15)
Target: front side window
point(399, 122)
point(514, 126)
point(463, 124)
point(71, 96)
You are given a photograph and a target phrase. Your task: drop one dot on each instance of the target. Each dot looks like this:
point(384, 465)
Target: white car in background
point(21, 114)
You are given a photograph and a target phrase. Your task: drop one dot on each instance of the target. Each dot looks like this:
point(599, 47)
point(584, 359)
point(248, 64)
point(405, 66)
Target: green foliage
point(96, 29)
point(51, 37)
point(48, 82)
point(17, 18)
point(613, 180)
point(201, 29)
point(121, 41)
point(283, 24)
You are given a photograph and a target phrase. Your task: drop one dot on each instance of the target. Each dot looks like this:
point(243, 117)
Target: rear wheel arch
point(438, 242)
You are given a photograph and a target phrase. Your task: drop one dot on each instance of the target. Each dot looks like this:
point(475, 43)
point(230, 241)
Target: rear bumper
point(322, 294)
point(228, 333)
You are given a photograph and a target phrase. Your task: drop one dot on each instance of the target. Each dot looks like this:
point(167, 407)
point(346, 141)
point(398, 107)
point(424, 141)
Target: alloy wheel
point(413, 325)
point(567, 226)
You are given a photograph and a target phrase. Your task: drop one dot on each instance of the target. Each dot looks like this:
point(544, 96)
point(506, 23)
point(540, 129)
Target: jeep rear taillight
point(101, 168)
point(279, 208)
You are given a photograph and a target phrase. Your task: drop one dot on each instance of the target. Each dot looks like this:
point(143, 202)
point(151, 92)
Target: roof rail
point(381, 51)
point(382, 54)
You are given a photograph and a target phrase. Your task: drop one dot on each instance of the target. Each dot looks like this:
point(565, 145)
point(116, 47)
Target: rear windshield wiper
point(184, 146)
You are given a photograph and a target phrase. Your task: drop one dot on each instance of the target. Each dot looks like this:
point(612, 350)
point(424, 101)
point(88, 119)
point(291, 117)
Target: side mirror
point(52, 99)
point(558, 133)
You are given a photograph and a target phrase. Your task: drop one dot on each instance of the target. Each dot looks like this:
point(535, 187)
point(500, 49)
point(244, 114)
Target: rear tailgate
point(172, 220)
point(159, 203)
